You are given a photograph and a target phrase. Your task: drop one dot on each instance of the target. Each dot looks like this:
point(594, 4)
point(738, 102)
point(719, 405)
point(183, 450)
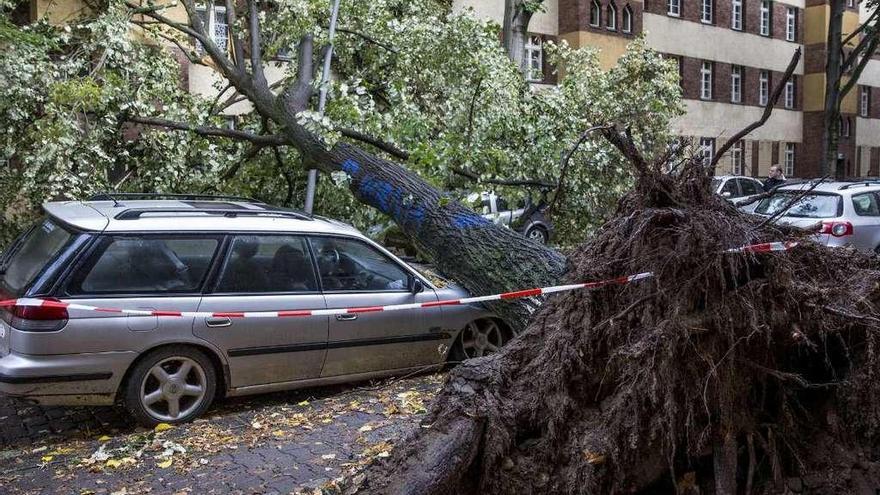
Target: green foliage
point(438, 85)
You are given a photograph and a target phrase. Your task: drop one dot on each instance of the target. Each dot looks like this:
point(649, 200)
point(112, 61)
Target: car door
point(730, 189)
point(266, 273)
point(750, 187)
point(355, 273)
point(866, 221)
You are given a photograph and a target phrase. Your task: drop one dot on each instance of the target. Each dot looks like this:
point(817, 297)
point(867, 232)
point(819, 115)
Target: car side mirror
point(726, 194)
point(416, 286)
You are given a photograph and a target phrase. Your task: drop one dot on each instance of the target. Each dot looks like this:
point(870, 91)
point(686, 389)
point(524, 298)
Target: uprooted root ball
point(725, 372)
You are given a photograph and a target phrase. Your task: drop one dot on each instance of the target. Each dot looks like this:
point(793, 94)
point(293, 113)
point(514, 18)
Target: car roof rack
point(136, 213)
point(115, 196)
point(868, 182)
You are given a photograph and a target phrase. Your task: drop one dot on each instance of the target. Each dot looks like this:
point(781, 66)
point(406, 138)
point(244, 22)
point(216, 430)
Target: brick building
point(729, 54)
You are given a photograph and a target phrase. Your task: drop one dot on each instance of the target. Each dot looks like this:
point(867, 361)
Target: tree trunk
point(515, 31)
point(831, 117)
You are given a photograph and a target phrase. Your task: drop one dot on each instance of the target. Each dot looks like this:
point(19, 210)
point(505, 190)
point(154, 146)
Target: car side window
point(730, 188)
point(866, 205)
point(263, 264)
point(352, 265)
point(750, 187)
point(143, 265)
point(501, 203)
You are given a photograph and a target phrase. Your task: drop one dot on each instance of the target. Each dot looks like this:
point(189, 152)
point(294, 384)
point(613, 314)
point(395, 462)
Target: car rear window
point(813, 205)
point(33, 252)
point(145, 265)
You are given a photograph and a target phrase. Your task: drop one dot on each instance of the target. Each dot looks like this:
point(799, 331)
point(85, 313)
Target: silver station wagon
point(213, 254)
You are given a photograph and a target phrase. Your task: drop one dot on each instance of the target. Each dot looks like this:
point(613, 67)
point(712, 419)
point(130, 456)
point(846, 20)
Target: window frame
point(869, 193)
point(865, 101)
point(790, 24)
point(737, 158)
point(676, 12)
point(790, 93)
point(596, 8)
point(707, 70)
point(611, 17)
point(211, 25)
point(765, 26)
point(411, 273)
point(529, 48)
point(763, 87)
point(736, 83)
point(100, 243)
point(626, 21)
point(788, 152)
point(229, 240)
point(707, 144)
point(707, 11)
point(736, 15)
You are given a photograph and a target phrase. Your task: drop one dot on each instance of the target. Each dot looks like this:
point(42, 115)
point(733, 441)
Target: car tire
point(477, 339)
point(537, 233)
point(170, 385)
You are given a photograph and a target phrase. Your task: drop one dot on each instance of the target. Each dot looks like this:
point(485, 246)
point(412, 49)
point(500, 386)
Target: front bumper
point(66, 379)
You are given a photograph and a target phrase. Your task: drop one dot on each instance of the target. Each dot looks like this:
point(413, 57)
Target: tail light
point(47, 318)
point(837, 229)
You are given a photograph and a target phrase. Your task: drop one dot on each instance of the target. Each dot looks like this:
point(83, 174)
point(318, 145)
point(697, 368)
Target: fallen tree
point(726, 372)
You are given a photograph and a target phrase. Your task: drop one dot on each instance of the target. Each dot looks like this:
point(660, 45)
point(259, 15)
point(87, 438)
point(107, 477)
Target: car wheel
point(479, 338)
point(170, 385)
point(537, 234)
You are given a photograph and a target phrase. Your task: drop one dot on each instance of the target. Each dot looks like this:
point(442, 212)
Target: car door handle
point(218, 322)
point(346, 317)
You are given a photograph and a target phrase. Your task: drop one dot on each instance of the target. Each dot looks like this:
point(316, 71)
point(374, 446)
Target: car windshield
point(810, 206)
point(34, 251)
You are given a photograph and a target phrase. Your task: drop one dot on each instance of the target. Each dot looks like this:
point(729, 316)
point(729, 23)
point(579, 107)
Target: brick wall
point(690, 75)
point(574, 15)
point(722, 9)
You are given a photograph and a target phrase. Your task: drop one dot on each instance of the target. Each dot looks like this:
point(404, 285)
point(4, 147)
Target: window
point(707, 150)
point(737, 158)
point(850, 3)
point(736, 75)
point(789, 94)
point(146, 265)
point(534, 59)
point(736, 15)
point(750, 187)
point(788, 160)
point(32, 253)
point(810, 206)
point(706, 81)
point(595, 13)
point(706, 11)
point(729, 189)
point(765, 18)
point(790, 23)
point(845, 124)
point(216, 24)
point(764, 87)
point(673, 7)
point(866, 205)
point(351, 265)
point(263, 264)
point(627, 20)
point(611, 17)
point(864, 100)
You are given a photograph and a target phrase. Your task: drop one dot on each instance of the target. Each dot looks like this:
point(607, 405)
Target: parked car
point(849, 212)
point(736, 186)
point(213, 255)
point(527, 217)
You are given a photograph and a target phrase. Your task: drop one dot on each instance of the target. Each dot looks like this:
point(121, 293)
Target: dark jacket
point(771, 183)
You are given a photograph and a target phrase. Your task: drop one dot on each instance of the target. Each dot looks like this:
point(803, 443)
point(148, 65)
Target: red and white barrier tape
point(766, 247)
point(754, 248)
point(328, 312)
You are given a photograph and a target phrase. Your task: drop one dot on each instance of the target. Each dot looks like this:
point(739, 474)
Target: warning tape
point(32, 302)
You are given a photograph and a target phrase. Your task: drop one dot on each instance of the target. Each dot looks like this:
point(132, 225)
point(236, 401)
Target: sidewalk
point(293, 442)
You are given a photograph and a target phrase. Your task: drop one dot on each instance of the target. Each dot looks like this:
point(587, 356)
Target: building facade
point(730, 53)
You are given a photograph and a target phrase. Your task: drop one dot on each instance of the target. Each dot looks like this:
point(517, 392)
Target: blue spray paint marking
point(384, 196)
point(350, 167)
point(469, 220)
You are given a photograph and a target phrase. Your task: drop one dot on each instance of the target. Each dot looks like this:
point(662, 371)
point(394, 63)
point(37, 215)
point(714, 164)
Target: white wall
point(693, 39)
point(867, 132)
point(203, 81)
point(722, 120)
point(546, 22)
point(871, 74)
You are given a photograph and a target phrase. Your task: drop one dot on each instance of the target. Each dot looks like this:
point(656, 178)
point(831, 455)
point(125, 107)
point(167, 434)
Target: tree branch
point(389, 148)
point(861, 27)
point(237, 47)
point(208, 131)
point(857, 72)
point(367, 38)
point(768, 110)
point(566, 157)
point(501, 182)
point(297, 96)
point(256, 49)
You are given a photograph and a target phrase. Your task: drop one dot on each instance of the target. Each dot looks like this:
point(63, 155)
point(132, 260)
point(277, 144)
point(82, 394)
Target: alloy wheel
point(173, 388)
point(481, 338)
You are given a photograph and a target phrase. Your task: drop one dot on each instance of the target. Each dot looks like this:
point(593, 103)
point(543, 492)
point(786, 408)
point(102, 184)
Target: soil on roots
point(724, 373)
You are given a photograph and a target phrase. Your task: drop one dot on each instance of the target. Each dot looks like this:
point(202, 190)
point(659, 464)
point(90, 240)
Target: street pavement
point(293, 442)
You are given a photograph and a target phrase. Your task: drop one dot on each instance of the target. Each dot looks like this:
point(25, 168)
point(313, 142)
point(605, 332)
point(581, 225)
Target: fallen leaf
point(113, 463)
point(256, 425)
point(47, 458)
point(122, 491)
point(278, 433)
point(104, 438)
point(594, 458)
point(328, 456)
point(367, 427)
point(165, 464)
point(162, 427)
point(303, 403)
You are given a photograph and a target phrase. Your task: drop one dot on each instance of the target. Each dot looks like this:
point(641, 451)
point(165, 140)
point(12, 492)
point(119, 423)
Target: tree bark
point(831, 116)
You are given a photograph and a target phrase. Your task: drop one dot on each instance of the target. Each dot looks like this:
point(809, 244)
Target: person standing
point(774, 179)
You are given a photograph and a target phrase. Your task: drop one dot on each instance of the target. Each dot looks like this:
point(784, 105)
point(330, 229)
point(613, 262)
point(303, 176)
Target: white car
point(733, 187)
